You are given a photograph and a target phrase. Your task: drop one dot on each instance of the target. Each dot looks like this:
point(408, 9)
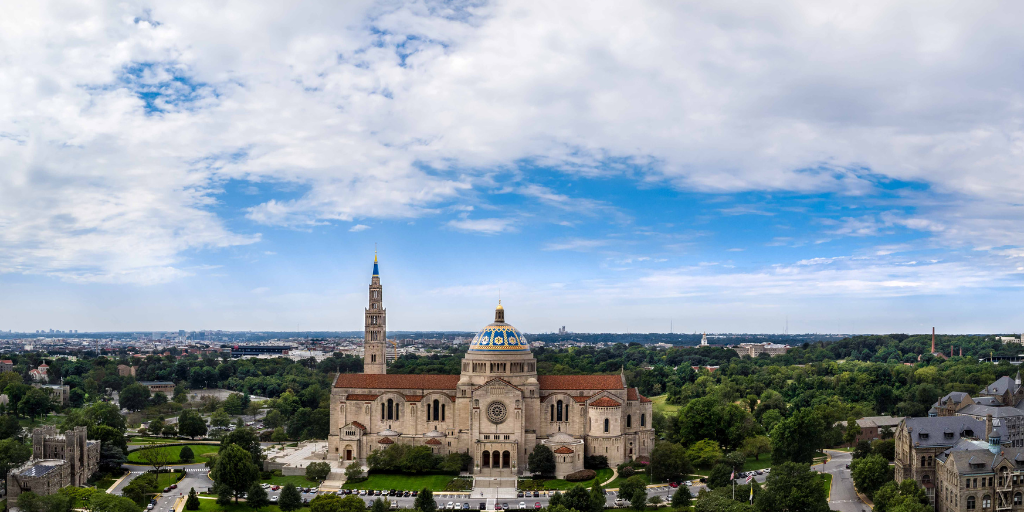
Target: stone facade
point(756, 349)
point(58, 460)
point(497, 410)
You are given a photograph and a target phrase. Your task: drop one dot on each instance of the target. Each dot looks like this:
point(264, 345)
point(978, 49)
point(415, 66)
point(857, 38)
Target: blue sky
point(608, 167)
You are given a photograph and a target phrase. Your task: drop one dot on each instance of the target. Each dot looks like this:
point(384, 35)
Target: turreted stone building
point(58, 460)
point(497, 410)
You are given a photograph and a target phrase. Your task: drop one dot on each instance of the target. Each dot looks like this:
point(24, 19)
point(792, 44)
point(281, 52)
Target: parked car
point(536, 494)
point(415, 493)
point(673, 484)
point(273, 499)
point(497, 506)
point(504, 506)
point(619, 502)
point(167, 489)
point(522, 505)
point(482, 505)
point(149, 507)
point(275, 488)
point(394, 506)
point(450, 505)
point(537, 506)
point(520, 495)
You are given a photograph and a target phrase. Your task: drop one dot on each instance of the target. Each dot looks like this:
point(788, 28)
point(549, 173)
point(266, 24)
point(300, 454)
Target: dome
point(561, 438)
point(434, 433)
point(499, 337)
point(388, 432)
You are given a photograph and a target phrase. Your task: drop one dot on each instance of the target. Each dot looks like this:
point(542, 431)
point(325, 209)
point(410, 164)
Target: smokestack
point(961, 350)
point(933, 340)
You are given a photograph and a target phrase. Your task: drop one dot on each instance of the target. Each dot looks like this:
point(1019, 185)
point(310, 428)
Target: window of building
point(606, 424)
point(643, 420)
point(391, 405)
point(986, 501)
point(1018, 499)
point(558, 408)
point(382, 407)
point(442, 412)
point(629, 421)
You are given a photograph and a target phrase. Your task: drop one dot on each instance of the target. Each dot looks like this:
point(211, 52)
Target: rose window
point(496, 412)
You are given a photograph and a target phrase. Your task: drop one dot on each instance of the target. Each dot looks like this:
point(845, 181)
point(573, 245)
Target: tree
point(290, 498)
point(235, 470)
point(704, 453)
point(170, 431)
point(798, 437)
point(354, 472)
point(220, 419)
point(191, 424)
point(852, 431)
point(248, 440)
point(9, 427)
point(156, 457)
point(335, 503)
point(906, 496)
point(541, 460)
point(233, 404)
point(634, 490)
point(278, 436)
point(700, 419)
point(35, 403)
point(418, 459)
point(192, 503)
point(252, 409)
point(719, 475)
point(682, 497)
point(273, 419)
point(885, 447)
point(111, 457)
point(110, 503)
point(425, 501)
point(455, 462)
point(669, 462)
point(792, 486)
point(577, 498)
point(186, 454)
point(257, 496)
point(156, 427)
point(597, 498)
point(379, 505)
point(755, 446)
point(13, 453)
point(863, 449)
point(869, 474)
point(318, 471)
point(180, 394)
point(134, 397)
point(76, 397)
point(158, 399)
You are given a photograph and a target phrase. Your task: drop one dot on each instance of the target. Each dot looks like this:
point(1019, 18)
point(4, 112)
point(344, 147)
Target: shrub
point(595, 462)
point(581, 475)
point(627, 471)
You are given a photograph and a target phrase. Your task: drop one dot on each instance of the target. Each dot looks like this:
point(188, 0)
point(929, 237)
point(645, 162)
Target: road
point(843, 497)
point(195, 476)
point(442, 499)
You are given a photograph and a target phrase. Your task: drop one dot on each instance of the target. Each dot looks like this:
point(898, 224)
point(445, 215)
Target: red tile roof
point(581, 399)
point(377, 381)
point(604, 402)
point(498, 379)
point(386, 440)
point(632, 394)
point(564, 450)
point(552, 382)
point(644, 400)
point(413, 398)
point(361, 398)
point(359, 426)
point(433, 441)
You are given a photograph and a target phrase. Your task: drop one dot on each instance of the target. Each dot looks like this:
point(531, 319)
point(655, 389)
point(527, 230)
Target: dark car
point(483, 505)
point(673, 484)
point(167, 489)
point(703, 480)
point(415, 493)
point(520, 494)
point(536, 494)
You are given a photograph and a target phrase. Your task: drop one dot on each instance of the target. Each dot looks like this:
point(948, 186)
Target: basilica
point(497, 410)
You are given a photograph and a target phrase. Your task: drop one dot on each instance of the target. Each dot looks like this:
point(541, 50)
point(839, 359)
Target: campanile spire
point(375, 326)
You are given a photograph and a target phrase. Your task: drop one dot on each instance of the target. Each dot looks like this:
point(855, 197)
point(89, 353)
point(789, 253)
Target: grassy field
point(554, 484)
point(826, 480)
point(298, 480)
point(212, 506)
point(172, 451)
point(662, 407)
point(751, 464)
point(385, 481)
point(165, 479)
point(152, 440)
point(619, 481)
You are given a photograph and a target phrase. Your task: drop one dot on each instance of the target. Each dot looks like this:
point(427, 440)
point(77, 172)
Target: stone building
point(871, 427)
point(497, 410)
point(756, 349)
point(58, 460)
point(159, 386)
point(124, 370)
point(920, 440)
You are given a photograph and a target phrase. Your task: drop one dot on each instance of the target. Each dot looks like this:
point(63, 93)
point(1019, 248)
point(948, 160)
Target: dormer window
point(922, 435)
point(949, 435)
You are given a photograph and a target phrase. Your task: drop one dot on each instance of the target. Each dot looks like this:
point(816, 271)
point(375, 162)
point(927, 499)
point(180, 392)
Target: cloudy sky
point(609, 166)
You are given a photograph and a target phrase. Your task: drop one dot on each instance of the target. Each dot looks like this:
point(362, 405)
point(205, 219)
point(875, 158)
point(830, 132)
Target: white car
point(450, 505)
point(522, 505)
point(620, 502)
point(458, 506)
point(273, 499)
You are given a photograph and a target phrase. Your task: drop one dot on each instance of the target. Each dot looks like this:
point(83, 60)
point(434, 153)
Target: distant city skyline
point(609, 167)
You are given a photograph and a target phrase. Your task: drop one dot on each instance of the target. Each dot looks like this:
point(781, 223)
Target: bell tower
point(376, 327)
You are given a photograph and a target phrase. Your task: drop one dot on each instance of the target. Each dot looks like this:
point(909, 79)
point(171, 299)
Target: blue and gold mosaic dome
point(499, 337)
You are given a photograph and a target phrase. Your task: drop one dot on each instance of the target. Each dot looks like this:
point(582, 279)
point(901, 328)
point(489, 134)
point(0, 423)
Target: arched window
point(924, 460)
point(391, 406)
point(606, 424)
point(559, 409)
point(398, 407)
point(552, 412)
point(486, 459)
point(442, 412)
point(428, 412)
point(437, 413)
point(970, 503)
point(382, 411)
point(629, 421)
point(926, 479)
point(506, 459)
point(1018, 499)
point(986, 501)
point(643, 420)
point(495, 459)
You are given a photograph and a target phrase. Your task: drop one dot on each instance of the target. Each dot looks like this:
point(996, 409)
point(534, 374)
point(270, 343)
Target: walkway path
point(615, 474)
point(843, 497)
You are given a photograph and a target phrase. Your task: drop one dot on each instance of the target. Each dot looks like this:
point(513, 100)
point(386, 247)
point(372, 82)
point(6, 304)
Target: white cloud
point(395, 110)
point(358, 227)
point(576, 244)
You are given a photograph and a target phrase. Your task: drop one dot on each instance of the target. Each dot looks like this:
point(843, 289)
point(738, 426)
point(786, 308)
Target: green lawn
point(619, 481)
point(751, 464)
point(105, 483)
point(298, 480)
point(152, 440)
point(212, 506)
point(198, 449)
point(602, 475)
point(847, 450)
point(826, 480)
point(399, 482)
point(165, 479)
point(662, 407)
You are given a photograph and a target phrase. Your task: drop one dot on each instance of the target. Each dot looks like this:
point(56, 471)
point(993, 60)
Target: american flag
point(749, 478)
point(733, 475)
